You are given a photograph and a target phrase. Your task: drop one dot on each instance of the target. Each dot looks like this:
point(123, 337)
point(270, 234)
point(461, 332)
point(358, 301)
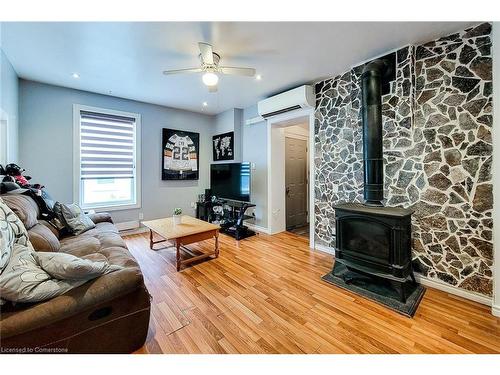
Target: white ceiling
point(126, 59)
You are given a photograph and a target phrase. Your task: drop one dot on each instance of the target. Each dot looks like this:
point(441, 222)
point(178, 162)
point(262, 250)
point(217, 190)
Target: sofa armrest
point(101, 217)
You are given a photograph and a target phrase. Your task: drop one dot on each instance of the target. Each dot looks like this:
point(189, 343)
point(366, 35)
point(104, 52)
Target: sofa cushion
point(102, 236)
point(100, 228)
point(54, 231)
point(24, 207)
point(119, 256)
point(43, 239)
point(68, 267)
point(108, 239)
point(80, 245)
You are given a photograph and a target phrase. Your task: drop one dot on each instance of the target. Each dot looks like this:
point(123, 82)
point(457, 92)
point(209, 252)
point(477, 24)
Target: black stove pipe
point(371, 86)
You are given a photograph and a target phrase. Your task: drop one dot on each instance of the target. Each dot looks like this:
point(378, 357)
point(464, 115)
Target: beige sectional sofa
point(109, 314)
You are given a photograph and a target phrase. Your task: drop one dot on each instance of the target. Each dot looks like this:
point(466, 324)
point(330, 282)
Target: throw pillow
point(12, 231)
point(73, 217)
point(32, 276)
point(6, 238)
point(23, 280)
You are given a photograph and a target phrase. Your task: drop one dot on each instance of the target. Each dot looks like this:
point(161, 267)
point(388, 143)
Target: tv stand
point(231, 221)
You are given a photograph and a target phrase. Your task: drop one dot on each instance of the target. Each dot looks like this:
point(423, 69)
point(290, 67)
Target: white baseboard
point(257, 228)
point(495, 310)
point(128, 225)
point(325, 249)
point(455, 291)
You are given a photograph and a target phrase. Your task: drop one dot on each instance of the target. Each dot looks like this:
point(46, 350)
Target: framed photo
point(180, 155)
point(223, 146)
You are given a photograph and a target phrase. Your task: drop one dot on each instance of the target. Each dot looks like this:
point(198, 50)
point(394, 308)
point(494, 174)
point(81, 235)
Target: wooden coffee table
point(191, 230)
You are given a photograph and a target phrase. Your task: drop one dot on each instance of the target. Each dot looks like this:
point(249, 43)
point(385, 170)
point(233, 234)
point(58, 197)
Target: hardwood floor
point(265, 295)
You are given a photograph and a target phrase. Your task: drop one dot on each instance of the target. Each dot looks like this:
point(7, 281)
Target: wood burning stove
point(372, 239)
point(375, 241)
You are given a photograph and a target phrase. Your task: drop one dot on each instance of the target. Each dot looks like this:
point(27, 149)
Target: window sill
point(112, 208)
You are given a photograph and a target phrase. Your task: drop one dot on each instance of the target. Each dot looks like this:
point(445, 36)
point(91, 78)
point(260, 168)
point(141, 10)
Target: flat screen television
point(230, 181)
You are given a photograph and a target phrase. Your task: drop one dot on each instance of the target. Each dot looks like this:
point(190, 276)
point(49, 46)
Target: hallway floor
point(302, 231)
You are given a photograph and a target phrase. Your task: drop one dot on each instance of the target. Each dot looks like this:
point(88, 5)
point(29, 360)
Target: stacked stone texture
point(437, 153)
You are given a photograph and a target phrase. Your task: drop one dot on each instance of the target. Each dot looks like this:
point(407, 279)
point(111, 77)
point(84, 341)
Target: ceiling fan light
point(210, 79)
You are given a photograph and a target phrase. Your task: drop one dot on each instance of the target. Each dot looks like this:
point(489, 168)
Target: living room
point(235, 187)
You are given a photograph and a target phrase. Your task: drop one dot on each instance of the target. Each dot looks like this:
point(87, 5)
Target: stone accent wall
point(437, 150)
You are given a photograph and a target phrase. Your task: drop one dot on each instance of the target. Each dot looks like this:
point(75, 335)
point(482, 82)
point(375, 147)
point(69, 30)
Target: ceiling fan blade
point(176, 71)
point(212, 88)
point(250, 72)
point(206, 53)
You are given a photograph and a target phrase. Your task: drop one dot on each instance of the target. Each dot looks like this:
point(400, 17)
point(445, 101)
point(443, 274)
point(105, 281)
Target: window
point(107, 173)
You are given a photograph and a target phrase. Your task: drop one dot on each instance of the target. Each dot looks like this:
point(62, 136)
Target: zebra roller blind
point(107, 146)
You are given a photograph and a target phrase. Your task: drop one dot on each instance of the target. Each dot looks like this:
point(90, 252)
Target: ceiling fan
point(211, 68)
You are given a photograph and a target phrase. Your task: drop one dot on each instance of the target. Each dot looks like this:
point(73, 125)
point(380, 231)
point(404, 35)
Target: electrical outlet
point(193, 205)
point(252, 166)
point(141, 216)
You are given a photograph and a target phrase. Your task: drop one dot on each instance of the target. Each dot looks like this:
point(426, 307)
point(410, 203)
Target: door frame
point(4, 137)
point(276, 213)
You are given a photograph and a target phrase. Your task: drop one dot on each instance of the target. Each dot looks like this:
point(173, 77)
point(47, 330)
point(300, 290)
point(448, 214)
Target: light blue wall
point(231, 121)
point(254, 145)
point(224, 122)
point(46, 146)
point(9, 104)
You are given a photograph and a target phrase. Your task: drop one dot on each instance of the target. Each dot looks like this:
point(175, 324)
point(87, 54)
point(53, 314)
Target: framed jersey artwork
point(180, 151)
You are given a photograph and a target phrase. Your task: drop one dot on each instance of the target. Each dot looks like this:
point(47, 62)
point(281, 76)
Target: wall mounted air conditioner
point(300, 97)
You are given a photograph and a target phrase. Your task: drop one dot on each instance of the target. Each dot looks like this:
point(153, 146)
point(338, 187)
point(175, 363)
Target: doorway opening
point(290, 173)
point(296, 179)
